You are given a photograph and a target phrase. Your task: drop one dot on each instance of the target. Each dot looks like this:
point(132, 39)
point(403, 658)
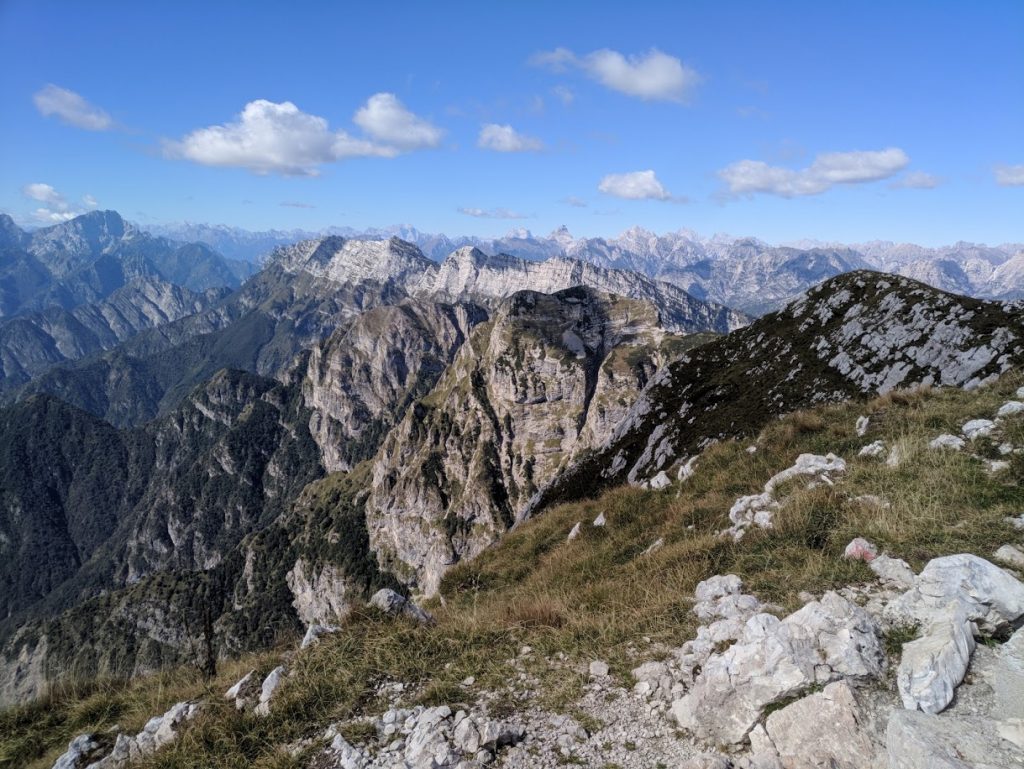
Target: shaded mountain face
point(854, 335)
point(86, 507)
point(33, 343)
point(86, 259)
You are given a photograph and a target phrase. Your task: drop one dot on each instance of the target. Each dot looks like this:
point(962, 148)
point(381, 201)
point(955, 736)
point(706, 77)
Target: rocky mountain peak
point(10, 233)
point(354, 261)
point(67, 246)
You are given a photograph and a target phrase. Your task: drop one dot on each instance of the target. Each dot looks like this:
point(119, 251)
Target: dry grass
point(598, 595)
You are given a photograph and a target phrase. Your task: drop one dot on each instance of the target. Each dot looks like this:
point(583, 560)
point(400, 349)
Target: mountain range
point(228, 461)
point(740, 272)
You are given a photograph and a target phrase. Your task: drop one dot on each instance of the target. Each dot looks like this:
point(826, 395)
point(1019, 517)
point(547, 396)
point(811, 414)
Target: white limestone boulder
point(1010, 408)
point(269, 689)
point(991, 597)
point(314, 633)
point(894, 571)
point(397, 605)
point(245, 691)
point(774, 659)
point(825, 729)
point(82, 751)
point(932, 666)
point(947, 441)
point(1011, 556)
point(978, 428)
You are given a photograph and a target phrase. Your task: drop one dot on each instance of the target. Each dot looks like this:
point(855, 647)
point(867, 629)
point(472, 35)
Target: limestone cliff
point(549, 375)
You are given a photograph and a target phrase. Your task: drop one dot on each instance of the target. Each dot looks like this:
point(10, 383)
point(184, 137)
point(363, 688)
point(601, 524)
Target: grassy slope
point(598, 595)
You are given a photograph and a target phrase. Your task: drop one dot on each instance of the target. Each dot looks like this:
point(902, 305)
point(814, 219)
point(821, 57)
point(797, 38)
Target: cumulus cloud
point(492, 213)
point(575, 202)
point(636, 185)
point(504, 138)
point(55, 208)
point(652, 76)
point(916, 180)
point(747, 177)
point(385, 119)
point(1010, 176)
point(68, 106)
point(271, 137)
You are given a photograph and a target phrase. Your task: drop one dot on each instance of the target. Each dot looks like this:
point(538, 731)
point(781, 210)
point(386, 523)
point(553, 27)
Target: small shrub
point(898, 635)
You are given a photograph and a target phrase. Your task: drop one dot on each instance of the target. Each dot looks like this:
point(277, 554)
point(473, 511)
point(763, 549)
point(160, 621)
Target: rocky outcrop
point(854, 335)
point(774, 659)
point(825, 729)
point(320, 596)
point(424, 738)
point(549, 375)
point(94, 751)
point(360, 382)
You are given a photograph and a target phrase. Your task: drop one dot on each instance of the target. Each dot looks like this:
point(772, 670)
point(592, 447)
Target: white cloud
point(504, 138)
point(387, 120)
point(636, 185)
point(295, 204)
point(575, 202)
point(44, 193)
point(564, 94)
point(56, 207)
point(653, 76)
point(746, 177)
point(71, 108)
point(493, 213)
point(916, 180)
point(271, 137)
point(1010, 176)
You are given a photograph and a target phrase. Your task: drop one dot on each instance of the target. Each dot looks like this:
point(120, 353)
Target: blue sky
point(836, 121)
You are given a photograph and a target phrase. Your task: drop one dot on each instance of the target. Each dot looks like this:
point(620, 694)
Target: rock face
point(826, 729)
point(773, 659)
point(320, 595)
point(548, 377)
point(177, 494)
point(856, 334)
point(922, 741)
point(360, 381)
